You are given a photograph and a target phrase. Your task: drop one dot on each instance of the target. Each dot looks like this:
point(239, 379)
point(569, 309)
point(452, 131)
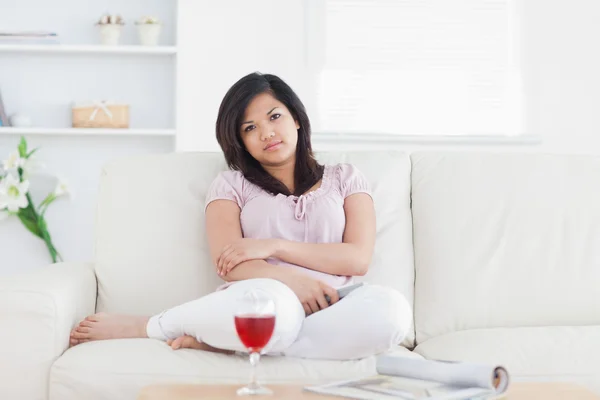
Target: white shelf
point(85, 132)
point(88, 49)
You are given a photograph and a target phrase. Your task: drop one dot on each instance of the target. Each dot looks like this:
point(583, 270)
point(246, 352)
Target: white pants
point(368, 321)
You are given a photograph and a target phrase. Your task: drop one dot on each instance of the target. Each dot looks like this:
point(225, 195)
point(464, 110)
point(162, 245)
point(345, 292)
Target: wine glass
point(255, 323)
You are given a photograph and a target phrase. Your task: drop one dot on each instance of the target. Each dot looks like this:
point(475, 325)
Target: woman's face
point(269, 131)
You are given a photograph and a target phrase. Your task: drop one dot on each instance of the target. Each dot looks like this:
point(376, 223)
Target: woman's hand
point(310, 291)
point(243, 250)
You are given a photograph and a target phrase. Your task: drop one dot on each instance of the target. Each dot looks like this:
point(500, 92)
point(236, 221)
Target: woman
point(279, 221)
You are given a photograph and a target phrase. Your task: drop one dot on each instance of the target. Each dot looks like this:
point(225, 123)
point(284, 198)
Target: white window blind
point(425, 67)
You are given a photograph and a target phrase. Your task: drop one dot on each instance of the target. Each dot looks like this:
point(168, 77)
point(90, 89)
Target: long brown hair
point(307, 171)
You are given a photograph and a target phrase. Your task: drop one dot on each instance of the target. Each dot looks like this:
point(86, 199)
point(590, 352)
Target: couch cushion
point(505, 240)
point(567, 353)
point(151, 248)
point(389, 176)
point(118, 369)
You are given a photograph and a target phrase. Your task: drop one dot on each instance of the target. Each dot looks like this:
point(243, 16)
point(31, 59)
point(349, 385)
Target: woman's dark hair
point(307, 171)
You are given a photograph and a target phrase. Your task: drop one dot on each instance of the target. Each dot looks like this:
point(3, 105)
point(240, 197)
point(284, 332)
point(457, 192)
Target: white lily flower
point(14, 161)
point(3, 214)
point(62, 188)
point(13, 193)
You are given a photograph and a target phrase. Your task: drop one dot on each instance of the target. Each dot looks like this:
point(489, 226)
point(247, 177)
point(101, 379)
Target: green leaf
point(28, 212)
point(43, 226)
point(54, 254)
point(32, 151)
point(29, 218)
point(46, 202)
point(30, 224)
point(23, 147)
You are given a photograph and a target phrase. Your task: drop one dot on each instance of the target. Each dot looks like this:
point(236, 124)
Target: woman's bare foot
point(190, 342)
point(108, 326)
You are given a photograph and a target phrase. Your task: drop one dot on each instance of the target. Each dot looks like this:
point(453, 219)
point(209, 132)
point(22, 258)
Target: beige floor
point(517, 391)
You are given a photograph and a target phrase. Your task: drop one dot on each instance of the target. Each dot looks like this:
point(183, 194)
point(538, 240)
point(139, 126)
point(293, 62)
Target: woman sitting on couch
point(281, 222)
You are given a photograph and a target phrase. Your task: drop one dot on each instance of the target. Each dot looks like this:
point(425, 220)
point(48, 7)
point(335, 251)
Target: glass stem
point(254, 358)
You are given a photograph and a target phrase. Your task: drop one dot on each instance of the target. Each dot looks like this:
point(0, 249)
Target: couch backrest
point(151, 251)
point(505, 240)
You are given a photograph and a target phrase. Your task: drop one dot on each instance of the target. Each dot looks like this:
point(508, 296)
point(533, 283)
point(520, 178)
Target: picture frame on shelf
point(3, 116)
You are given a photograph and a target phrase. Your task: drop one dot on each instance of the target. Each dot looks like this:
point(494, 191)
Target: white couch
point(498, 253)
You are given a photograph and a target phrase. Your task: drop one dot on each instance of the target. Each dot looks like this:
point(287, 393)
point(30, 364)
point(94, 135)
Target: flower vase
point(149, 34)
point(110, 34)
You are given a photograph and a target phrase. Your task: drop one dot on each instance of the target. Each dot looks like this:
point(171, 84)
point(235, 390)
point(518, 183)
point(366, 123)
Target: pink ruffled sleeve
point(228, 185)
point(352, 181)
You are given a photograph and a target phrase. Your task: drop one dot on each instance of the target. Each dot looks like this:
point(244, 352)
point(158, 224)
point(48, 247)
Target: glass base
point(253, 390)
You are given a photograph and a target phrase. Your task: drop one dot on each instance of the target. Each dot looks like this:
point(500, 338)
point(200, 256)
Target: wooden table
point(517, 391)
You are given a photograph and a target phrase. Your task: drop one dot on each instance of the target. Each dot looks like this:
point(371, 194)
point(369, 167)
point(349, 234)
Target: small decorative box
point(100, 114)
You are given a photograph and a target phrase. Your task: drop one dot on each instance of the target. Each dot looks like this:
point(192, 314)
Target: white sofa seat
point(119, 369)
point(37, 312)
point(507, 260)
point(544, 353)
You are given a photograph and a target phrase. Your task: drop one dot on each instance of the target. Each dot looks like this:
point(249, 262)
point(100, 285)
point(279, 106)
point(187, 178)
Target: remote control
point(345, 291)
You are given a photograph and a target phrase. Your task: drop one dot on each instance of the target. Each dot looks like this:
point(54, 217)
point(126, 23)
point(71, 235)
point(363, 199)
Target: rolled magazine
point(411, 378)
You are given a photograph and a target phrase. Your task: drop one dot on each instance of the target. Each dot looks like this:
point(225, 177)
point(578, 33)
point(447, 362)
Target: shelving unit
point(85, 131)
point(88, 49)
point(41, 80)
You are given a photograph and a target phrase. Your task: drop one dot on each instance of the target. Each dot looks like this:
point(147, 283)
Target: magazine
point(411, 378)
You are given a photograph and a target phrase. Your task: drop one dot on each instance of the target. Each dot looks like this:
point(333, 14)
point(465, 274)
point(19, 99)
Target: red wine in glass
point(255, 331)
point(254, 323)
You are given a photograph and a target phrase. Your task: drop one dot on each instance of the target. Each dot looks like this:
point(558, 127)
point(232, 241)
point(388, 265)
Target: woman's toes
point(94, 317)
point(85, 323)
point(80, 335)
point(190, 342)
point(186, 342)
point(176, 344)
point(82, 329)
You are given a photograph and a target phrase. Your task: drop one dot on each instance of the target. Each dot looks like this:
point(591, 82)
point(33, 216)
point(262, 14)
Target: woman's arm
point(223, 227)
point(352, 257)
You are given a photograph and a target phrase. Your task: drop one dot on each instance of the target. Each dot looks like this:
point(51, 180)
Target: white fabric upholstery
point(151, 250)
point(505, 240)
point(549, 353)
point(389, 176)
point(37, 312)
point(118, 369)
point(150, 228)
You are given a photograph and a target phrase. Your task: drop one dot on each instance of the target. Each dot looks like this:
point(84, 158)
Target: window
point(414, 67)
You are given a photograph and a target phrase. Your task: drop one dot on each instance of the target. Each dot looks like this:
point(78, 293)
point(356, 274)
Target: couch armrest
point(37, 312)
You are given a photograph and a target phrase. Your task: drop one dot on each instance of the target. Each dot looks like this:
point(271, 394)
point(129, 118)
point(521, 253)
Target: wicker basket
point(100, 114)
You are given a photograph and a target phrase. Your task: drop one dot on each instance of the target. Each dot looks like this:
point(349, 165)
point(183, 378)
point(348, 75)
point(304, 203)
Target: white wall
point(219, 42)
point(561, 63)
point(558, 52)
point(44, 85)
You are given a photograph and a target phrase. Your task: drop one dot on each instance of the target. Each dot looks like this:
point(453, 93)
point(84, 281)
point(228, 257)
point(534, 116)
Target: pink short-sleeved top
point(316, 217)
